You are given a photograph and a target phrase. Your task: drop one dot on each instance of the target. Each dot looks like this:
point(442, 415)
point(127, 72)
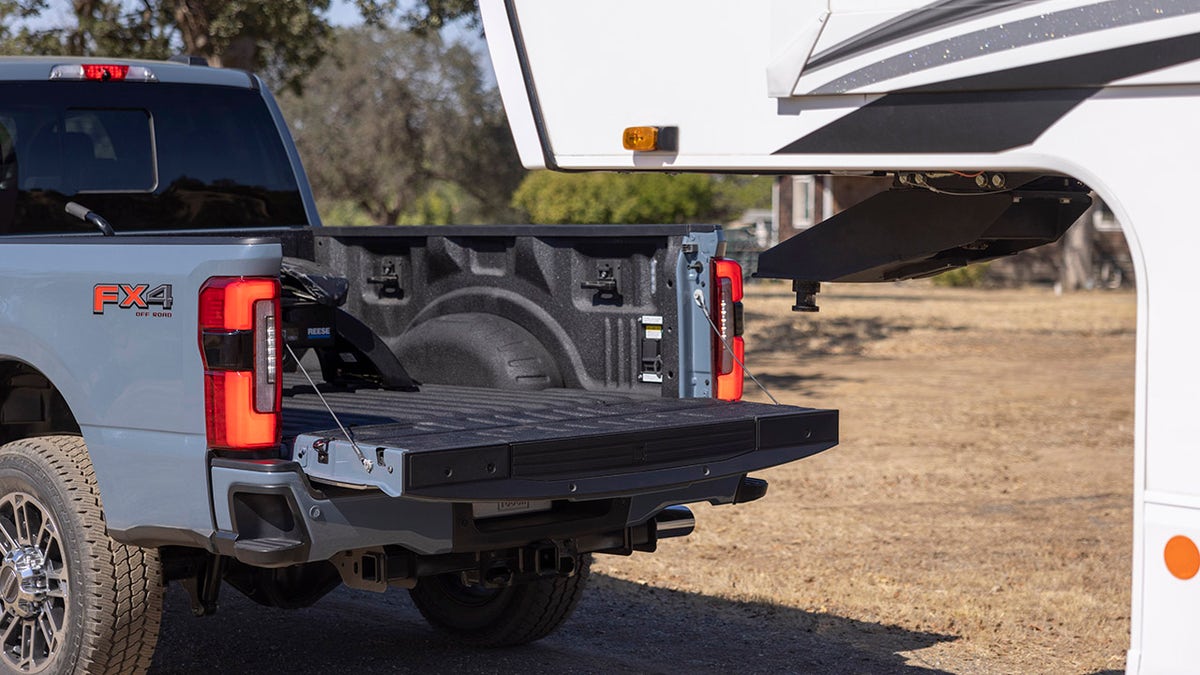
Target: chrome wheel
point(33, 584)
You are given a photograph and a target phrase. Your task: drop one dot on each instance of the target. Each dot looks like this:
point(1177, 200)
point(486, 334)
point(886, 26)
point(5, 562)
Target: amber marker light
point(1182, 557)
point(640, 139)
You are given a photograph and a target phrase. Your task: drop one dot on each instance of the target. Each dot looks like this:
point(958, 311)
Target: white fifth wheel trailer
point(996, 118)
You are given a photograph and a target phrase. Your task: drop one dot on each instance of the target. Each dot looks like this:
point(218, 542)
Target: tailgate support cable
point(699, 297)
point(367, 464)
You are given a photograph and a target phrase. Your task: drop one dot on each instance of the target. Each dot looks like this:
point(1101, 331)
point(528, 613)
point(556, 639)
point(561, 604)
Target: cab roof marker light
point(103, 72)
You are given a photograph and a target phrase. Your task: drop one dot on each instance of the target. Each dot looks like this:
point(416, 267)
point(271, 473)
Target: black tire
point(505, 617)
point(109, 612)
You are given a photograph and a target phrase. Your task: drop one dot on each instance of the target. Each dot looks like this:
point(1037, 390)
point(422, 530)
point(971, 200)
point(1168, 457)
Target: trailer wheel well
point(30, 404)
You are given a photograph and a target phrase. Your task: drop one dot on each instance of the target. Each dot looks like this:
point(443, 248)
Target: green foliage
point(445, 203)
point(442, 204)
point(737, 194)
point(343, 212)
point(591, 198)
point(618, 198)
point(406, 127)
point(971, 276)
point(280, 39)
point(420, 17)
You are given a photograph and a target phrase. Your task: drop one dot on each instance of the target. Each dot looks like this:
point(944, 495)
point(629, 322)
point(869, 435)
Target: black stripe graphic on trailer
point(1096, 69)
point(910, 24)
point(1015, 34)
point(991, 112)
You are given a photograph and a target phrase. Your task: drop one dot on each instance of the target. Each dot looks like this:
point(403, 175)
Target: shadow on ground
point(793, 384)
point(619, 627)
point(814, 335)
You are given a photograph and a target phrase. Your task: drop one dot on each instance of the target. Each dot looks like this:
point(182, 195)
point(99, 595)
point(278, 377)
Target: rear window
point(146, 156)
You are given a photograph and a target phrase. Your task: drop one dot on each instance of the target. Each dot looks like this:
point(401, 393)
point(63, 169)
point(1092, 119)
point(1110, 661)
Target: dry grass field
point(976, 515)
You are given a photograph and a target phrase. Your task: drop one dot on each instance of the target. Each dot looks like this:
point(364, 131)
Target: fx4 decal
point(138, 297)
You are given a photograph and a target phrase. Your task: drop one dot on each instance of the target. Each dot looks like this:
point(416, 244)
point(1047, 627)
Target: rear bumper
point(268, 514)
point(271, 516)
point(276, 513)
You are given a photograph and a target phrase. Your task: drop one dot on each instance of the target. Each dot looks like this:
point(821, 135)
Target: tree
point(420, 16)
point(637, 198)
point(393, 116)
point(1077, 265)
point(281, 39)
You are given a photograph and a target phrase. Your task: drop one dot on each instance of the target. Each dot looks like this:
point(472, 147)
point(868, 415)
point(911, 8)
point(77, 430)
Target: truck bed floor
point(439, 408)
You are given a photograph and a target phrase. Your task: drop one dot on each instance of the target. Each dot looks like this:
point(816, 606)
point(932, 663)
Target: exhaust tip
point(674, 521)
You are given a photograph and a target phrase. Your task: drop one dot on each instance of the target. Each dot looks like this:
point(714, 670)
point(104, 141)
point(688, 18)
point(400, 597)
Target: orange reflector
point(1182, 557)
point(640, 139)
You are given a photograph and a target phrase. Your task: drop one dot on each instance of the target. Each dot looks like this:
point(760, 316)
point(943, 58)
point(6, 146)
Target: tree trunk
point(193, 19)
point(1078, 247)
point(784, 224)
point(240, 53)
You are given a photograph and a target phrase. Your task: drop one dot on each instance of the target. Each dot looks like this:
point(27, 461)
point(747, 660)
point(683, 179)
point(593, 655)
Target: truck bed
point(468, 444)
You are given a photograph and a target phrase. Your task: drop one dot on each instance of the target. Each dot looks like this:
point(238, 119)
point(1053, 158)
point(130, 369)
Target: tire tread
point(124, 602)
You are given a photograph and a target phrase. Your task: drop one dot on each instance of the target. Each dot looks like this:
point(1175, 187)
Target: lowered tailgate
point(466, 444)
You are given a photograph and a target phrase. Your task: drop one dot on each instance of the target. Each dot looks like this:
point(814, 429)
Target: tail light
point(727, 315)
point(239, 341)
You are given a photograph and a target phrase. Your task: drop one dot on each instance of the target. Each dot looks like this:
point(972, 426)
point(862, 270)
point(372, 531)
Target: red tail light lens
point(727, 315)
point(242, 362)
